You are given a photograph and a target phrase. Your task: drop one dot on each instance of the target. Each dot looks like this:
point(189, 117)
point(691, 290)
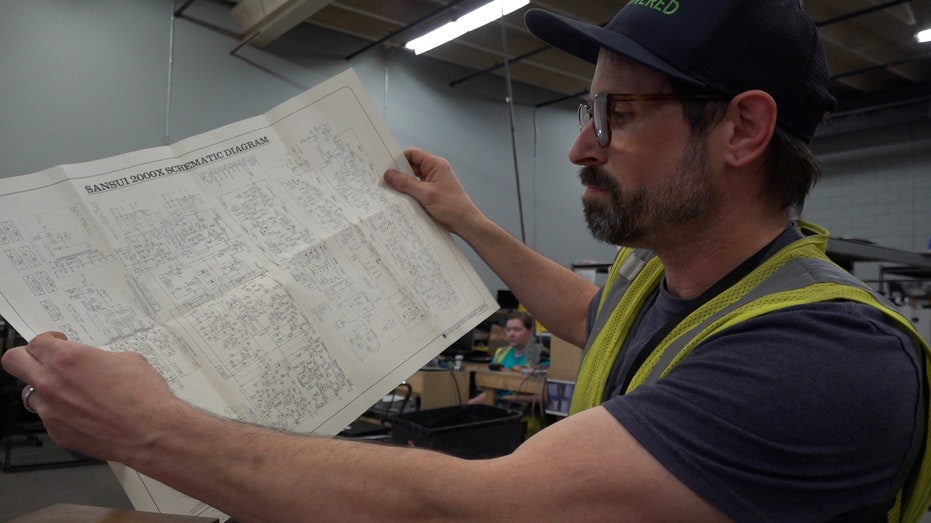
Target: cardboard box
point(440, 388)
point(497, 333)
point(565, 359)
point(919, 302)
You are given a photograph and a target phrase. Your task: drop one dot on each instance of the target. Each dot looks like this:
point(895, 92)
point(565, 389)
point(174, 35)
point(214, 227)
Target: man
point(790, 393)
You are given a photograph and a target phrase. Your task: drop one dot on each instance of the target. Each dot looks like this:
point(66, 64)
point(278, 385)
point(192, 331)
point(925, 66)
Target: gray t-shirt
point(804, 414)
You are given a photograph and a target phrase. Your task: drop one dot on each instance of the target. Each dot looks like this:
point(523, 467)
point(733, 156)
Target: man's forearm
point(257, 474)
point(555, 296)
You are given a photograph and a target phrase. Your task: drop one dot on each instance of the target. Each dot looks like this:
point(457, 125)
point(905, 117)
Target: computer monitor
point(507, 300)
point(461, 346)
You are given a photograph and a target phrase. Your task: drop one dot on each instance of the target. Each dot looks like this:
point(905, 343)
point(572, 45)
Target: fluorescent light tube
point(923, 36)
point(467, 22)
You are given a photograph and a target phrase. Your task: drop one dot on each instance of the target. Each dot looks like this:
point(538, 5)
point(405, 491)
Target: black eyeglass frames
point(598, 110)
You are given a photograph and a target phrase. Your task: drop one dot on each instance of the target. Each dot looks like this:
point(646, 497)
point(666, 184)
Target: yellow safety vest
point(800, 273)
point(501, 353)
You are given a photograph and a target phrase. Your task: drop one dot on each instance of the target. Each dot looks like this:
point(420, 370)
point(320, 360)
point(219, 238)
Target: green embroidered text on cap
point(667, 7)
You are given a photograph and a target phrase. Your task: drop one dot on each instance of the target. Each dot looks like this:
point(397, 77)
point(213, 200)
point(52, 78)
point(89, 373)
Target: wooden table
point(67, 513)
point(492, 381)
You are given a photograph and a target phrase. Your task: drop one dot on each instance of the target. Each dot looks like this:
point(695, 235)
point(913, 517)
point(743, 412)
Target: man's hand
point(437, 189)
point(102, 404)
point(554, 295)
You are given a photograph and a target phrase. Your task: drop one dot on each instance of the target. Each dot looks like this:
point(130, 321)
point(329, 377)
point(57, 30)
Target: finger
point(30, 398)
point(20, 363)
point(420, 161)
point(402, 182)
point(40, 346)
point(414, 155)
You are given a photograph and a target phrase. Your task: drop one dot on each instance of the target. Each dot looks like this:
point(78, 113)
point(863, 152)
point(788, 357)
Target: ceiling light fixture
point(923, 36)
point(473, 20)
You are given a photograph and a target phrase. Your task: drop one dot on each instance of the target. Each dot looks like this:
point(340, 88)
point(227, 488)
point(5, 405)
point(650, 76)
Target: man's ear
point(752, 115)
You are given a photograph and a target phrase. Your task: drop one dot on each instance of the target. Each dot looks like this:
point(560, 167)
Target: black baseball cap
point(727, 46)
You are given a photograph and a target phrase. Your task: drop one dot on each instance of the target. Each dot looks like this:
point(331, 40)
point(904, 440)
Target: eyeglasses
point(598, 110)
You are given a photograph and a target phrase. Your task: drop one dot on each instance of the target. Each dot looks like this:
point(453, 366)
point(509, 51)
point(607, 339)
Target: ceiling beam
point(858, 57)
point(263, 21)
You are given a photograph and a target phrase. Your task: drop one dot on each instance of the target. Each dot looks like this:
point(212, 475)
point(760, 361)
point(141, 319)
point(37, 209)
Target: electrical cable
point(452, 372)
point(387, 409)
point(407, 396)
point(171, 53)
point(510, 101)
point(538, 401)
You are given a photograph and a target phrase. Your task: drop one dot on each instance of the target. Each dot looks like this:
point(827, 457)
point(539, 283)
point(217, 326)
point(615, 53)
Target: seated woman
point(519, 330)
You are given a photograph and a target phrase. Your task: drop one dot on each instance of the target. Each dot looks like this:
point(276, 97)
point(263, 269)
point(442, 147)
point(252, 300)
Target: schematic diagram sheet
point(263, 267)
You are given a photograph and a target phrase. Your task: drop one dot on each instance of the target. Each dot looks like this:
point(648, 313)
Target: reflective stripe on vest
point(639, 271)
point(798, 274)
point(501, 353)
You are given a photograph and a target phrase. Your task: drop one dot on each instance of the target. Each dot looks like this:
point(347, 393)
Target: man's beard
point(633, 217)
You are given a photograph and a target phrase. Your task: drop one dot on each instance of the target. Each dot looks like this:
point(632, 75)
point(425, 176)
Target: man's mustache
point(593, 176)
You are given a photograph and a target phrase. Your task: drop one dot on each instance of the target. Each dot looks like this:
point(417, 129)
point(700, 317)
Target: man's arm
point(554, 295)
point(114, 406)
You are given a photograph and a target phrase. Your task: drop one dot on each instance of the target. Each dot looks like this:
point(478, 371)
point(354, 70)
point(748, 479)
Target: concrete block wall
point(876, 186)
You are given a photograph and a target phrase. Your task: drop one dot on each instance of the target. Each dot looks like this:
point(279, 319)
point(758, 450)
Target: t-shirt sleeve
point(789, 416)
point(592, 312)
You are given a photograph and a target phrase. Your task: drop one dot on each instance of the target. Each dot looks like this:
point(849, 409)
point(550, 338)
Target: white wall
point(876, 186)
point(90, 79)
point(85, 80)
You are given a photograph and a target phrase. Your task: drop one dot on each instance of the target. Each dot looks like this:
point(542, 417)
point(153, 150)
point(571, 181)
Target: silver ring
point(29, 389)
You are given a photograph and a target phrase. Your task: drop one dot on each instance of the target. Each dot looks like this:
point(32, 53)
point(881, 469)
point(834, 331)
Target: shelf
point(845, 252)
